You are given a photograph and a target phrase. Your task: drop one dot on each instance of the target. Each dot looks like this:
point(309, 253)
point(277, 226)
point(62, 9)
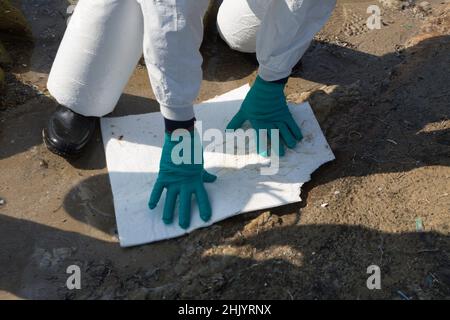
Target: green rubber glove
point(182, 181)
point(265, 107)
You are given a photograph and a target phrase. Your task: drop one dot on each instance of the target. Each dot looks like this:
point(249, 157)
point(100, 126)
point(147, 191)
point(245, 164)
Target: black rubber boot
point(68, 133)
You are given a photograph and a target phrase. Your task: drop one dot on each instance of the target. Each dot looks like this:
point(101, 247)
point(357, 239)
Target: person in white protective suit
point(106, 38)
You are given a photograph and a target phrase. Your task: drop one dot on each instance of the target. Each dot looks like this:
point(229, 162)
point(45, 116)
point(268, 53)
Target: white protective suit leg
point(104, 41)
point(279, 30)
point(99, 51)
point(173, 33)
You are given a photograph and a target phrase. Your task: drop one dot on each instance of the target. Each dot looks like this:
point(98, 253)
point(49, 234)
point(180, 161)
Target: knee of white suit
point(238, 22)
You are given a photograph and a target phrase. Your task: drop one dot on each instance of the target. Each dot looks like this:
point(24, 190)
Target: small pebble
point(43, 164)
point(425, 6)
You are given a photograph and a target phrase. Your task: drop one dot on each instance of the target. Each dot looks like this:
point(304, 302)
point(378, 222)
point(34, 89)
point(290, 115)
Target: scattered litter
point(353, 134)
point(392, 141)
point(431, 279)
point(419, 225)
point(324, 205)
point(2, 201)
point(290, 294)
point(70, 9)
point(404, 296)
point(428, 251)
point(337, 192)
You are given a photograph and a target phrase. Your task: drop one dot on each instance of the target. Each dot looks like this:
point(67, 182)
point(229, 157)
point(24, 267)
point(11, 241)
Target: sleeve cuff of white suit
point(268, 74)
point(178, 113)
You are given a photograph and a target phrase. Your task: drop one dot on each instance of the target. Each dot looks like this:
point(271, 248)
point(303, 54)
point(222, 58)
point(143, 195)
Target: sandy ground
point(382, 98)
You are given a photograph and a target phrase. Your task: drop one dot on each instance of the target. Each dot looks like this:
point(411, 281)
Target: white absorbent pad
point(133, 147)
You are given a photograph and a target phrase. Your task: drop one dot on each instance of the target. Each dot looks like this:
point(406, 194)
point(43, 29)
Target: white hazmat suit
point(105, 39)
